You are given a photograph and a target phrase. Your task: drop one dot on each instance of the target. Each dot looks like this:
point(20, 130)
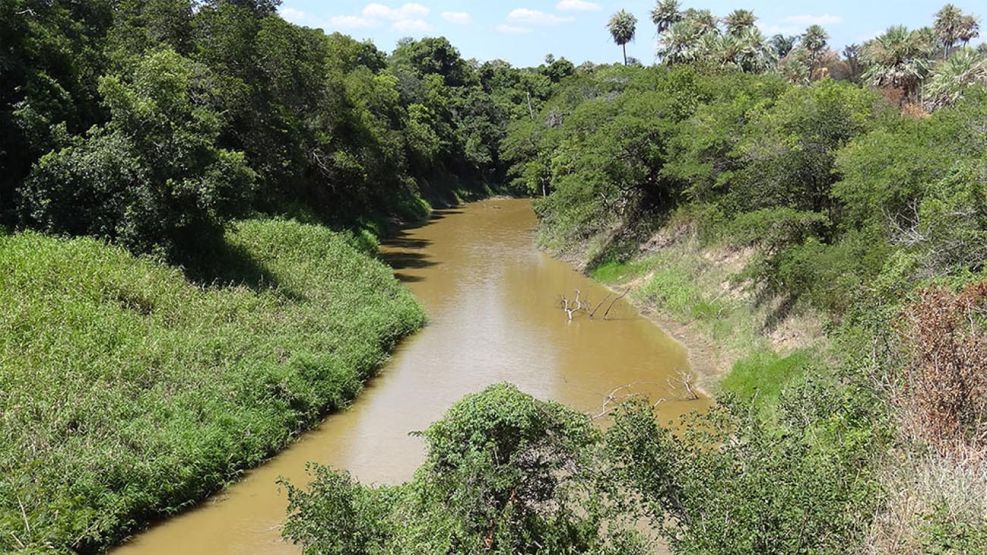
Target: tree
point(665, 14)
point(739, 22)
point(855, 68)
point(951, 78)
point(51, 55)
point(814, 41)
point(622, 27)
point(152, 178)
point(746, 50)
point(505, 474)
point(783, 44)
point(953, 26)
point(898, 59)
point(704, 20)
point(969, 29)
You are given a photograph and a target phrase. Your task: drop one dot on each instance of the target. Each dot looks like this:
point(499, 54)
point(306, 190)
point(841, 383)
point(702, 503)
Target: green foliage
point(732, 484)
point(944, 535)
point(130, 392)
point(788, 151)
point(48, 68)
point(151, 178)
point(505, 473)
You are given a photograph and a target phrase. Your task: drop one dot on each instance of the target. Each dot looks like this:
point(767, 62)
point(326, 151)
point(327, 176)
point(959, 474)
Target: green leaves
point(505, 474)
point(152, 177)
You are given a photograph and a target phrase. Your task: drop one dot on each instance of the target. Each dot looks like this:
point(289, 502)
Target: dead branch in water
point(622, 295)
point(686, 380)
point(615, 397)
point(577, 304)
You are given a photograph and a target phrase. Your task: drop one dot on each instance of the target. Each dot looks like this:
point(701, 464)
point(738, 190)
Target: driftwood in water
point(578, 304)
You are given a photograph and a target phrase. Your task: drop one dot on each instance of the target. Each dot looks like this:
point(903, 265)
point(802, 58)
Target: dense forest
point(191, 190)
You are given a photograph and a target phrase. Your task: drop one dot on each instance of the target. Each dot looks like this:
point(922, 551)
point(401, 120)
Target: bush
point(729, 483)
point(505, 474)
point(943, 392)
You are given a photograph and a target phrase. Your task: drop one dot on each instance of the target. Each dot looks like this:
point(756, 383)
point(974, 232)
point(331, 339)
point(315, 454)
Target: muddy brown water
point(493, 301)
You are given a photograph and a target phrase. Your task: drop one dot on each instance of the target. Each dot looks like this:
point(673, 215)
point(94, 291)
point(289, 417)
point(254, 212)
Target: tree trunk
point(624, 46)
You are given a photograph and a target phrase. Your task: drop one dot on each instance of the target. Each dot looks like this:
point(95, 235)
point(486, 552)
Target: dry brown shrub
point(943, 390)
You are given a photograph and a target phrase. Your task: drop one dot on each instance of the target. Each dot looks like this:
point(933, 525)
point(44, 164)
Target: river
point(493, 301)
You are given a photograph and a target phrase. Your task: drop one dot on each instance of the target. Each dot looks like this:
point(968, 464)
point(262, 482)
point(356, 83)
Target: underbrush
point(128, 392)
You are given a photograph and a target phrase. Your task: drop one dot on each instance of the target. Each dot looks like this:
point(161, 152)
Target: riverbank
point(692, 292)
point(132, 390)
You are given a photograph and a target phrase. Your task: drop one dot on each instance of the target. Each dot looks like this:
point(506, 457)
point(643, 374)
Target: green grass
point(759, 378)
point(128, 392)
point(619, 272)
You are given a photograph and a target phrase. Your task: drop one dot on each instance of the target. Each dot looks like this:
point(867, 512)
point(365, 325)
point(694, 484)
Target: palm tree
point(681, 43)
point(952, 77)
point(746, 51)
point(739, 21)
point(814, 42)
point(704, 20)
point(755, 54)
point(782, 44)
point(969, 29)
point(899, 59)
point(622, 27)
point(949, 19)
point(665, 14)
point(851, 56)
point(795, 67)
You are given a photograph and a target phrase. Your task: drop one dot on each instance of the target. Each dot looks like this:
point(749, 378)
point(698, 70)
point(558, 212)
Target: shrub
point(943, 392)
point(505, 474)
point(731, 484)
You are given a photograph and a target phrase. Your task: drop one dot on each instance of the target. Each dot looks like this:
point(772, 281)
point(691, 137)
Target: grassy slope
point(127, 391)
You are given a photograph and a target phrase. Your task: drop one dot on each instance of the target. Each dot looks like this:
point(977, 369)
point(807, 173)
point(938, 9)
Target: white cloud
point(295, 16)
point(524, 16)
point(404, 12)
point(459, 18)
point(577, 6)
point(411, 25)
point(512, 29)
point(825, 19)
point(351, 22)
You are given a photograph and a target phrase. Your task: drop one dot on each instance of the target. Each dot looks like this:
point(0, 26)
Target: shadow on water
point(406, 243)
point(407, 260)
point(405, 278)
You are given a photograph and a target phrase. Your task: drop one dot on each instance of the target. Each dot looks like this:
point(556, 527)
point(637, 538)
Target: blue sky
point(524, 31)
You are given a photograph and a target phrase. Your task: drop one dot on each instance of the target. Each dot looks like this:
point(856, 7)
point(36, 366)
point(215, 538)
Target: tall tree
point(851, 56)
point(704, 20)
point(783, 44)
point(949, 21)
point(665, 14)
point(622, 27)
point(814, 40)
point(969, 29)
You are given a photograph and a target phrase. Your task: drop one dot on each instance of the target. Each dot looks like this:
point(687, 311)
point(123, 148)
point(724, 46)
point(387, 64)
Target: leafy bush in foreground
point(505, 474)
point(127, 392)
